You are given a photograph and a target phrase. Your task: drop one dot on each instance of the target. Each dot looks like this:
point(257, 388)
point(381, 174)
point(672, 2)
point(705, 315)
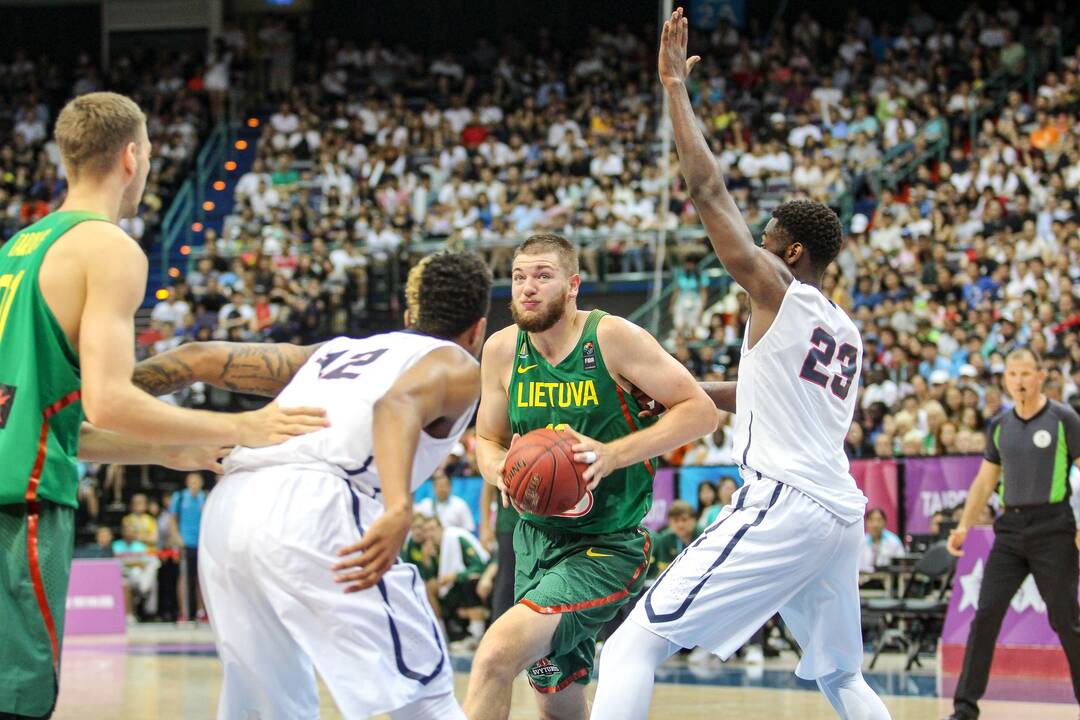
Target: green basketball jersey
point(40, 409)
point(580, 394)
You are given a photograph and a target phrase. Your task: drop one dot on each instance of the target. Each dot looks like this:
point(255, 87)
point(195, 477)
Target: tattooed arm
point(253, 368)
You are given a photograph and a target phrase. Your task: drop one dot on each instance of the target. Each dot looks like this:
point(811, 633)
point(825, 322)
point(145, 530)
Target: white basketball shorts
point(773, 549)
point(267, 542)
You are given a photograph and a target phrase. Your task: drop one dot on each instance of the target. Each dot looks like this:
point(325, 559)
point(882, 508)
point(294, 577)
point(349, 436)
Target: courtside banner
point(879, 483)
point(932, 484)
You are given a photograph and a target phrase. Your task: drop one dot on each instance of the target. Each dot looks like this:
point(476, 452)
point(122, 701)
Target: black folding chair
point(915, 619)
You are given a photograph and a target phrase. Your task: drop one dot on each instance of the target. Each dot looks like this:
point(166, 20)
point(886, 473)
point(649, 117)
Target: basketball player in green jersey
point(69, 288)
point(560, 367)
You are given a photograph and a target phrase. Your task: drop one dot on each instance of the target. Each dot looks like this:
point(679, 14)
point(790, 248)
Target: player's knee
point(498, 657)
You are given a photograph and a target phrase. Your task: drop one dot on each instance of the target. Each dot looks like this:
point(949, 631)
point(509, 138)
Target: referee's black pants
point(1039, 540)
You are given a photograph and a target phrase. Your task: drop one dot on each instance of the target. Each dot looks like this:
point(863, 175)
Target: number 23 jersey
point(796, 397)
point(346, 377)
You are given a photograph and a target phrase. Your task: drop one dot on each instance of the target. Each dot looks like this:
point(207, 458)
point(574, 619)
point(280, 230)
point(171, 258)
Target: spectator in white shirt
point(803, 131)
point(605, 163)
point(285, 121)
point(382, 240)
point(451, 510)
point(248, 184)
point(457, 115)
point(882, 546)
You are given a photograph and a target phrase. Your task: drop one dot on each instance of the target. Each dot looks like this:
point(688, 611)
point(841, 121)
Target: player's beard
point(537, 321)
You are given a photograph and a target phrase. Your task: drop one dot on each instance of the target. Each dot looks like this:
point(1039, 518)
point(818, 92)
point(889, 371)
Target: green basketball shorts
point(36, 543)
point(583, 578)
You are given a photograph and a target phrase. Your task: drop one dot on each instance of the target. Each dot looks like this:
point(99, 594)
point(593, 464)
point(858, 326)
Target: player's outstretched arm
point(765, 277)
point(253, 368)
point(441, 388)
point(635, 359)
point(493, 432)
point(103, 446)
point(721, 393)
point(115, 282)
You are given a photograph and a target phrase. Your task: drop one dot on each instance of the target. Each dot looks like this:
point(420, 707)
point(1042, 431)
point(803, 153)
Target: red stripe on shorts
point(34, 564)
point(597, 602)
point(33, 555)
point(632, 425)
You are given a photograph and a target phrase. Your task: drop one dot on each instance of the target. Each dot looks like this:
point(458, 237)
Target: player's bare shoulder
point(498, 355)
point(100, 242)
point(617, 334)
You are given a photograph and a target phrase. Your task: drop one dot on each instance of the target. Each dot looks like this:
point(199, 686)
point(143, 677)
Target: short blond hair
point(93, 128)
point(551, 243)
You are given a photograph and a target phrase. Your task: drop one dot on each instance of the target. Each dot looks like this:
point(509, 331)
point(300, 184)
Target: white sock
point(627, 671)
point(476, 628)
point(851, 697)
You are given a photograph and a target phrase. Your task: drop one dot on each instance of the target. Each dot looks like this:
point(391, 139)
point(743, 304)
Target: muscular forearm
point(103, 446)
point(721, 393)
point(696, 160)
point(253, 368)
point(682, 423)
point(978, 495)
point(488, 454)
point(125, 409)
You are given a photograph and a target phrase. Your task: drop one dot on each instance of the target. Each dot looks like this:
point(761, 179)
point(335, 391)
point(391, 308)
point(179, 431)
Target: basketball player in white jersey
point(791, 538)
point(276, 528)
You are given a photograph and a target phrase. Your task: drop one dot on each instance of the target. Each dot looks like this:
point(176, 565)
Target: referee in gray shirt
point(1030, 449)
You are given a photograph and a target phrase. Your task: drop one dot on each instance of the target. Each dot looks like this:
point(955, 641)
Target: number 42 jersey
point(346, 377)
point(796, 397)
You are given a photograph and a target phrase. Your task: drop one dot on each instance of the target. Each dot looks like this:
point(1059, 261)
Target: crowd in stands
point(168, 87)
point(374, 149)
point(371, 155)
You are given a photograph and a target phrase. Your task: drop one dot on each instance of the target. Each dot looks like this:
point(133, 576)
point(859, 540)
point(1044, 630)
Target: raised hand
point(674, 66)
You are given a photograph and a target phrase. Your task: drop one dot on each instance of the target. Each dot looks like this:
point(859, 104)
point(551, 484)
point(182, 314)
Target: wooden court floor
point(154, 674)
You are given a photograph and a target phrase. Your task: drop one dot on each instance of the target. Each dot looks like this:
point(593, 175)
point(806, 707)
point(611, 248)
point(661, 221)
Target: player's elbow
point(103, 407)
point(699, 415)
point(705, 186)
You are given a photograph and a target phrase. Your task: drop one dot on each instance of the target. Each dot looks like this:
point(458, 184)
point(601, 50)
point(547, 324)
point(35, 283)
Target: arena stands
point(956, 178)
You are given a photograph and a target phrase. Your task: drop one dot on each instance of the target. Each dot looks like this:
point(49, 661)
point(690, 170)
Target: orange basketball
point(541, 475)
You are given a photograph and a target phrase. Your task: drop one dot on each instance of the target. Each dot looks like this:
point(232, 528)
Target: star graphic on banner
point(970, 585)
point(1028, 597)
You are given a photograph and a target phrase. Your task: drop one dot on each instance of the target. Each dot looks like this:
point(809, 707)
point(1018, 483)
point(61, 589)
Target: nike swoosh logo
point(525, 369)
point(592, 553)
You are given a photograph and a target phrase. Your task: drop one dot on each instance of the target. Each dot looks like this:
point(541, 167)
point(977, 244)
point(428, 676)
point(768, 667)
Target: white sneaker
point(754, 655)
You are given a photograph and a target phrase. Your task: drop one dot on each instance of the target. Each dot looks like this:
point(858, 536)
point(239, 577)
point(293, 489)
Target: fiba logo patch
point(588, 356)
point(1041, 439)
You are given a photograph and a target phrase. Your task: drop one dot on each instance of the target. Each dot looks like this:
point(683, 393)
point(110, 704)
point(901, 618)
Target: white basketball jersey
point(796, 397)
point(346, 377)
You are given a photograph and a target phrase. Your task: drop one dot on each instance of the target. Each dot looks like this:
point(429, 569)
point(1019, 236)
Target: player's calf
point(517, 640)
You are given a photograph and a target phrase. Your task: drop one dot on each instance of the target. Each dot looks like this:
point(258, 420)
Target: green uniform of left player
point(40, 417)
